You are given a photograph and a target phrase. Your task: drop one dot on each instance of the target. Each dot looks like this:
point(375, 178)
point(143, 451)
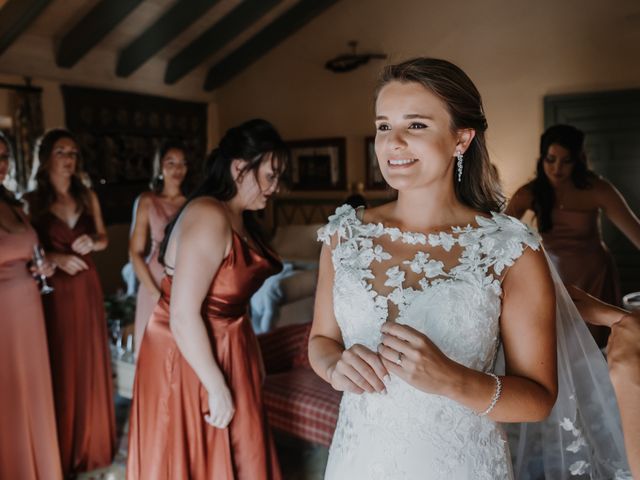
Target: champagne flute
point(38, 258)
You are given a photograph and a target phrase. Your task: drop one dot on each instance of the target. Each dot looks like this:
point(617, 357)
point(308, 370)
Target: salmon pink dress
point(28, 441)
point(161, 212)
point(168, 436)
point(80, 358)
point(577, 250)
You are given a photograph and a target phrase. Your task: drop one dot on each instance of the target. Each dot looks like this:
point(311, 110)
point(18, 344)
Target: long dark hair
point(250, 141)
point(479, 188)
point(44, 192)
point(157, 181)
point(544, 197)
point(5, 194)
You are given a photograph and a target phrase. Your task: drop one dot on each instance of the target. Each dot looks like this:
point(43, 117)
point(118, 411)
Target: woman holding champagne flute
point(28, 442)
point(67, 217)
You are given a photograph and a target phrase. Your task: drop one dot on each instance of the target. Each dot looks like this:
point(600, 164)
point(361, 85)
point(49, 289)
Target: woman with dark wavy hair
point(567, 198)
point(153, 211)
point(28, 442)
point(66, 214)
point(197, 406)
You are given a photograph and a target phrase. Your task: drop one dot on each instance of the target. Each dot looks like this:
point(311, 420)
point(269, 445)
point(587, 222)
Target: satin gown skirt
point(168, 437)
point(79, 352)
point(81, 371)
point(28, 440)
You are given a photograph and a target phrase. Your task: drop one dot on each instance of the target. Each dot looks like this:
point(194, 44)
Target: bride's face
point(415, 144)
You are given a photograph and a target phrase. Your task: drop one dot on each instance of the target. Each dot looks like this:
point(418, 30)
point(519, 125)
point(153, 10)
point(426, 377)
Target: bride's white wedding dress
point(447, 285)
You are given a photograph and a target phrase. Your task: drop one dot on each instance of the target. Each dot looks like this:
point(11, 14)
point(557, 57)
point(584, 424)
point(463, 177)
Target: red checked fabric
point(298, 402)
point(283, 345)
point(302, 404)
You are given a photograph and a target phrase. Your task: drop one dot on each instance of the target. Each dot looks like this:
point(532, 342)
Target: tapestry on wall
point(119, 133)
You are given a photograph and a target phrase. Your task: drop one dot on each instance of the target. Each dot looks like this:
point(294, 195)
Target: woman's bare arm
point(519, 203)
point(100, 238)
point(618, 211)
point(202, 240)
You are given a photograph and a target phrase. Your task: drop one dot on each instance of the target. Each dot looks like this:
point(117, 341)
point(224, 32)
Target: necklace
point(560, 197)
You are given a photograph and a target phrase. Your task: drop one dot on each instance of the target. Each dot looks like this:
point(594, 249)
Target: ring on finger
point(399, 358)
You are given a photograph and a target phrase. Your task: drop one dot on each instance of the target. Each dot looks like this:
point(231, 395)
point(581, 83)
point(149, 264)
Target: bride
point(416, 296)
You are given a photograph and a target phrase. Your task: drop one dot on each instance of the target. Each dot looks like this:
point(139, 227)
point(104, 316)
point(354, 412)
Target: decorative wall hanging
point(318, 164)
point(119, 133)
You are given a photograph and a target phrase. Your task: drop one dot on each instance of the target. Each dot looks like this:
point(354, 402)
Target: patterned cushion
point(281, 346)
point(301, 404)
point(301, 358)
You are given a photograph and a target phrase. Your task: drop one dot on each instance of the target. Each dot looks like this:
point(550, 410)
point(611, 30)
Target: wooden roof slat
point(216, 37)
point(172, 23)
point(269, 37)
point(15, 18)
point(91, 29)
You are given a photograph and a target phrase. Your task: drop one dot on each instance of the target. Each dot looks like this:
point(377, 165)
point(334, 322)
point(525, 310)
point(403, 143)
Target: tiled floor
point(298, 460)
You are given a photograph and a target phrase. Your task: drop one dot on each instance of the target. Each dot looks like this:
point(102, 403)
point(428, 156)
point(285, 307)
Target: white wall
point(515, 51)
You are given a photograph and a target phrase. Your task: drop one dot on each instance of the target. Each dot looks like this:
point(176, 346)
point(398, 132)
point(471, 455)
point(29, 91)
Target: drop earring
point(459, 165)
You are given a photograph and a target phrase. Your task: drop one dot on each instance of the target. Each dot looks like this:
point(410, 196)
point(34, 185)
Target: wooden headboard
point(303, 211)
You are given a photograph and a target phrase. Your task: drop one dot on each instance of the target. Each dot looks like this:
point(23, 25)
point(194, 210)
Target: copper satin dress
point(581, 257)
point(168, 437)
point(78, 348)
point(160, 214)
point(28, 441)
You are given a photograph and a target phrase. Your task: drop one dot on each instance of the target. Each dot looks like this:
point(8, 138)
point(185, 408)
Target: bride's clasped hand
point(413, 357)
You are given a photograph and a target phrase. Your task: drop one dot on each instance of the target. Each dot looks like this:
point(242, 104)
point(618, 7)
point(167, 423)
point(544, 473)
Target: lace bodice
point(447, 285)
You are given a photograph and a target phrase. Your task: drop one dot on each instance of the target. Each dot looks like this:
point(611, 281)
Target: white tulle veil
point(582, 437)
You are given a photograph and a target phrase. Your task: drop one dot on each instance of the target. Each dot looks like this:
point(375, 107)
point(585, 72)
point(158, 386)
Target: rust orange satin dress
point(168, 437)
point(28, 442)
point(79, 352)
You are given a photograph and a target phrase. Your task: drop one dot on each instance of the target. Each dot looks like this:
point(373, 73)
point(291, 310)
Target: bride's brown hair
point(479, 188)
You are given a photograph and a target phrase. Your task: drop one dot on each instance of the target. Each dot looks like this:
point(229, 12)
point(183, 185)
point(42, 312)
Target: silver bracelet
point(496, 394)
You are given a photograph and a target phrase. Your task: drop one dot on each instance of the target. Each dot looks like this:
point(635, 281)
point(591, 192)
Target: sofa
point(298, 402)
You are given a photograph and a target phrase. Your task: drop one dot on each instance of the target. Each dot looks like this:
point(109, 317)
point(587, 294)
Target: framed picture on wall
point(375, 180)
point(318, 164)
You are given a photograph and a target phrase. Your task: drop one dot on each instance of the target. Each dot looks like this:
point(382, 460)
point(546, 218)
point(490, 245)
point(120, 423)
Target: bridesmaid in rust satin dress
point(567, 199)
point(197, 407)
point(28, 441)
point(67, 217)
point(153, 211)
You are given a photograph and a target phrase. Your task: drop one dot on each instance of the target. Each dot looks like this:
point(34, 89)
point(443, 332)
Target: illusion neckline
point(451, 229)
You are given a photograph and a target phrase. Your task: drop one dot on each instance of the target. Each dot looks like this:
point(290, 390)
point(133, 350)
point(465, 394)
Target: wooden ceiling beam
point(91, 29)
point(269, 37)
point(216, 37)
point(15, 18)
point(171, 24)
